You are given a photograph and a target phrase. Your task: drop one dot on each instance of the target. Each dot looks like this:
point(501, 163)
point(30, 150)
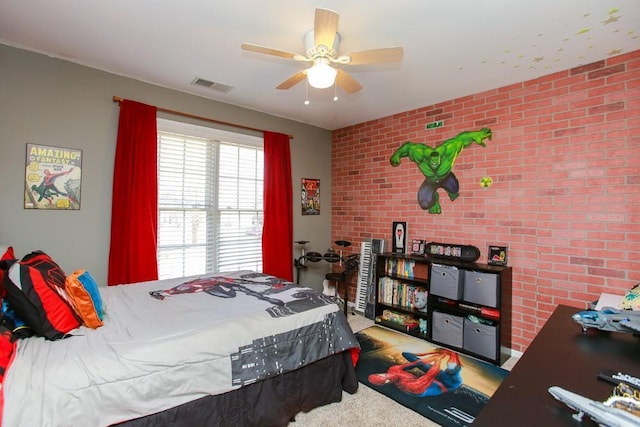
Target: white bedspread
point(153, 354)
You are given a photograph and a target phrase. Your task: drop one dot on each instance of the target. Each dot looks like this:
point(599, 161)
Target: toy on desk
point(609, 319)
point(631, 300)
point(625, 390)
point(617, 377)
point(615, 411)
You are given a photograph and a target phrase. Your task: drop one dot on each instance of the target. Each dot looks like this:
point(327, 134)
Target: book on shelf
point(407, 268)
point(394, 316)
point(401, 267)
point(397, 320)
point(421, 271)
point(396, 292)
point(408, 327)
point(469, 306)
point(490, 312)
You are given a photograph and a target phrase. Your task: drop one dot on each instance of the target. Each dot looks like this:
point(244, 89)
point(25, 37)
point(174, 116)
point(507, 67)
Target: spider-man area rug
point(442, 385)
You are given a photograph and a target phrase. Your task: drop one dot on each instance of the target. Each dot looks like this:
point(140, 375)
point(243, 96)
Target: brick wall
point(565, 164)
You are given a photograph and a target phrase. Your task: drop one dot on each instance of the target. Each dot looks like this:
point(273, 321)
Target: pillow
point(9, 318)
point(6, 255)
point(15, 324)
point(85, 297)
point(35, 290)
point(6, 252)
point(7, 350)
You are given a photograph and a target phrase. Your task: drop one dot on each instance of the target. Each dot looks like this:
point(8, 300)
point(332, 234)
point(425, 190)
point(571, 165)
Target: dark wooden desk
point(564, 356)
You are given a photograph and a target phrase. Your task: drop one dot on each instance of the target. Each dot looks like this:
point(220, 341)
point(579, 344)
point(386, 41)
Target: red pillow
point(7, 349)
point(35, 290)
point(6, 254)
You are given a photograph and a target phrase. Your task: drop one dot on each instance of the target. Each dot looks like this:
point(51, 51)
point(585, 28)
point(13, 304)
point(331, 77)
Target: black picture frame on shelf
point(417, 247)
point(399, 237)
point(497, 255)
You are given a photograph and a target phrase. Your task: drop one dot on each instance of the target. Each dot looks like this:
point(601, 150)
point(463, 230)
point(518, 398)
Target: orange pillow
point(82, 300)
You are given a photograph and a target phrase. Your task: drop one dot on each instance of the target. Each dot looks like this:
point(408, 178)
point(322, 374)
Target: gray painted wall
point(49, 101)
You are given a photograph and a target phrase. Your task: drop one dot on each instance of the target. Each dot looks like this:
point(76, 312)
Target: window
point(210, 190)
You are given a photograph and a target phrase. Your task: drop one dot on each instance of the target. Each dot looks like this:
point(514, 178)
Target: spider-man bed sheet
point(165, 343)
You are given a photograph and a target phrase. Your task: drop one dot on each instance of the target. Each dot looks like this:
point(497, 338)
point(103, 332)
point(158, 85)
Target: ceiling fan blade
point(346, 82)
point(293, 80)
point(325, 28)
point(275, 52)
point(389, 54)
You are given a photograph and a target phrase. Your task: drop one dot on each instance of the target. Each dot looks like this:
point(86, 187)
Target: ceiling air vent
point(220, 87)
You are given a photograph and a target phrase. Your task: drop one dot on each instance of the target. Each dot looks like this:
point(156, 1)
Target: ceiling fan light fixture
point(321, 46)
point(321, 75)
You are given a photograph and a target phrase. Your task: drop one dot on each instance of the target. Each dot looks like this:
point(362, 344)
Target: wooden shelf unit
point(468, 304)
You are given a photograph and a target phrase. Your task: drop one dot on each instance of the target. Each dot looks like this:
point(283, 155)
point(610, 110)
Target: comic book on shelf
point(401, 267)
point(393, 291)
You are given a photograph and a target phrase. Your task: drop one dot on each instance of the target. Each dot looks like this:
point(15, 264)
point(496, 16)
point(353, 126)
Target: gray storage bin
point(446, 281)
point(447, 329)
point(481, 288)
point(480, 339)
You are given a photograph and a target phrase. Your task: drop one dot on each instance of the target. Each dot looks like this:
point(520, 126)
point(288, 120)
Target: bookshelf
point(462, 306)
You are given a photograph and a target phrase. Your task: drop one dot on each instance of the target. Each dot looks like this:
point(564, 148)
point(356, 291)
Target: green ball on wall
point(486, 182)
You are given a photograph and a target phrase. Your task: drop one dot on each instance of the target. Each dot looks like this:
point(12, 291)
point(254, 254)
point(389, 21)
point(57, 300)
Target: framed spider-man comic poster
point(53, 177)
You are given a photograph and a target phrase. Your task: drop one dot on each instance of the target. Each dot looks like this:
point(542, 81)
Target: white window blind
point(210, 190)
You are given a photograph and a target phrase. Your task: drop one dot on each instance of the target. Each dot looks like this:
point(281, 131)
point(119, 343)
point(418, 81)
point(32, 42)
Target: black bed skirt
point(273, 402)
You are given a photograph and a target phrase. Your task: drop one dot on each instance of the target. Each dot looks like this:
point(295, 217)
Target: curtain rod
point(206, 119)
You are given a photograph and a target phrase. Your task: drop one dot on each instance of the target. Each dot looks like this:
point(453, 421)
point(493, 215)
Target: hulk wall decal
point(436, 165)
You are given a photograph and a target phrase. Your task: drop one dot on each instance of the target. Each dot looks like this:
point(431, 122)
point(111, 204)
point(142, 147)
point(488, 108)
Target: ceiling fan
point(321, 44)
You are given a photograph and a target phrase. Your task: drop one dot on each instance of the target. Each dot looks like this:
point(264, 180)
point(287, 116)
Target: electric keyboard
point(364, 277)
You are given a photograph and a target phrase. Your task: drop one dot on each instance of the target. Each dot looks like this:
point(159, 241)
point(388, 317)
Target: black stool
point(340, 278)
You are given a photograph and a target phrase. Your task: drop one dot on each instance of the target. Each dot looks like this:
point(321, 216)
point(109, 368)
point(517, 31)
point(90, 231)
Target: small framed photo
point(399, 237)
point(497, 255)
point(417, 247)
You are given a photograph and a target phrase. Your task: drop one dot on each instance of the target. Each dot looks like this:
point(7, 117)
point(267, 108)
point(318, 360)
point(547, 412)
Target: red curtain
point(277, 230)
point(134, 209)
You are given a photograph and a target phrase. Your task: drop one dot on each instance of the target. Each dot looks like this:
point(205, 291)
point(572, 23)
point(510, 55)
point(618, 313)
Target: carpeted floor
point(366, 407)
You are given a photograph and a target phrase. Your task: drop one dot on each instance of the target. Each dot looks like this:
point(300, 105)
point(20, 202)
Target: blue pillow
point(12, 321)
point(8, 311)
point(92, 289)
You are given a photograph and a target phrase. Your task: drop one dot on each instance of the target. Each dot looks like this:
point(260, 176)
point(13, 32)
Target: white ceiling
point(452, 48)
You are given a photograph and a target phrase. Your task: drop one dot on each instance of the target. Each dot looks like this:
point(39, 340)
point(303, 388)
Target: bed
point(239, 348)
